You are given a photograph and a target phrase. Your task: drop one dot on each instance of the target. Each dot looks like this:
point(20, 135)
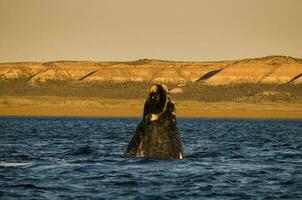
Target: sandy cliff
point(272, 70)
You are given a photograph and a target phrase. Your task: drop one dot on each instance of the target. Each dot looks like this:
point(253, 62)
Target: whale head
point(157, 98)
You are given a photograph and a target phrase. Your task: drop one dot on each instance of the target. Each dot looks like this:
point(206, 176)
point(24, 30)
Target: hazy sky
point(45, 30)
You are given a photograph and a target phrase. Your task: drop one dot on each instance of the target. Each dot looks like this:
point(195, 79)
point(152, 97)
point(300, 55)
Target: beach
point(97, 107)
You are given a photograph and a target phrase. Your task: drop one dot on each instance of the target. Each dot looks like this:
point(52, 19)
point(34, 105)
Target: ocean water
point(81, 158)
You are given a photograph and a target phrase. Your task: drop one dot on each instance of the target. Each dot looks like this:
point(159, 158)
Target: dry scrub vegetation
point(134, 90)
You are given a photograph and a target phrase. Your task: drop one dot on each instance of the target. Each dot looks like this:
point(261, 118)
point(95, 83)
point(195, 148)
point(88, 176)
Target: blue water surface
point(82, 158)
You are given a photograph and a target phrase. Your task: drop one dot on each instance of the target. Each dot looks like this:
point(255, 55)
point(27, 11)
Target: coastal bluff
point(266, 70)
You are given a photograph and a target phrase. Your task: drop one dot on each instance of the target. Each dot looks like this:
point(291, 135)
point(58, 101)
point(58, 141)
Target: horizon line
point(151, 59)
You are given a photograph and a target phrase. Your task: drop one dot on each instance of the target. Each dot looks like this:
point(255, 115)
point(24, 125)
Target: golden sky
point(46, 30)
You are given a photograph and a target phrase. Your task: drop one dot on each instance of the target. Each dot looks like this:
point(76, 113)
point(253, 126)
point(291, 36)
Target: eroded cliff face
point(271, 70)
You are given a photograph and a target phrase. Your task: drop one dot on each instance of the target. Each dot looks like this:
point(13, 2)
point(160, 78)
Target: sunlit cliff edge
point(269, 87)
point(266, 70)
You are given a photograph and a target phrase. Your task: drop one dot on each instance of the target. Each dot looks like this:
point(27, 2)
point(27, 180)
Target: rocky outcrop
point(269, 70)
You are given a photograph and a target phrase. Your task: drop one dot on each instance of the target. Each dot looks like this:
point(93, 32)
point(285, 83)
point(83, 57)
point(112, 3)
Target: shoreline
point(53, 106)
point(262, 116)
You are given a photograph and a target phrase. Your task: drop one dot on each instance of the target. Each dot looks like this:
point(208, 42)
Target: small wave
point(203, 154)
point(30, 186)
point(84, 160)
point(100, 177)
point(84, 150)
point(9, 164)
point(146, 161)
point(126, 183)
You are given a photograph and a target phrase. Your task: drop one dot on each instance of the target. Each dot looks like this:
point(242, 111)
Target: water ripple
point(67, 158)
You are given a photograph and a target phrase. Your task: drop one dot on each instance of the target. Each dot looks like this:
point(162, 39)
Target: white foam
point(8, 164)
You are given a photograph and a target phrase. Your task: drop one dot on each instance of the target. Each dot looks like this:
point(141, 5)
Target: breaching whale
point(157, 135)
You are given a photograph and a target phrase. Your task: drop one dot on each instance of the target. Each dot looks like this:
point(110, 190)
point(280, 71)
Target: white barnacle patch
point(165, 88)
point(153, 117)
point(153, 89)
point(140, 152)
